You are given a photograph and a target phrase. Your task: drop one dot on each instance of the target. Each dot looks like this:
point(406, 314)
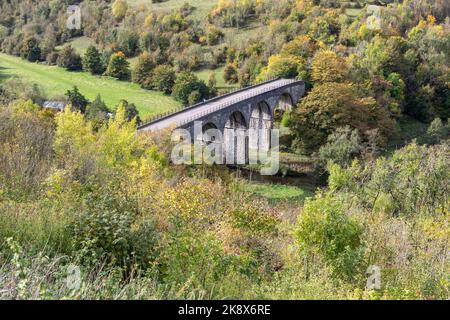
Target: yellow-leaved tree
point(327, 66)
point(119, 9)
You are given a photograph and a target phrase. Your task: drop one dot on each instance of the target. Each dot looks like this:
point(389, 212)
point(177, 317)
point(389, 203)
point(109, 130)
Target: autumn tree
point(333, 105)
point(284, 66)
point(118, 67)
point(328, 67)
point(119, 9)
point(230, 74)
point(30, 49)
point(301, 46)
point(69, 59)
point(142, 72)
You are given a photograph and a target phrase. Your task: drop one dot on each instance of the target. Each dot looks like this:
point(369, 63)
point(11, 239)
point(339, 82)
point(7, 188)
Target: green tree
point(97, 112)
point(437, 131)
point(142, 72)
point(212, 83)
point(186, 83)
point(131, 112)
point(163, 78)
point(77, 100)
point(92, 61)
point(324, 228)
point(118, 67)
point(30, 49)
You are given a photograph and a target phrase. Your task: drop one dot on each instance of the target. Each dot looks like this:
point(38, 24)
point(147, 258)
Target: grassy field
point(202, 7)
point(278, 192)
point(80, 44)
point(221, 84)
point(56, 81)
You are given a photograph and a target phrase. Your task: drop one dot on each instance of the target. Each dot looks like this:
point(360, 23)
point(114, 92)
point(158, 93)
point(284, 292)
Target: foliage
point(142, 72)
point(118, 67)
point(342, 147)
point(92, 61)
point(163, 78)
point(438, 131)
point(69, 59)
point(76, 99)
point(325, 229)
point(131, 112)
point(119, 9)
point(97, 112)
point(284, 67)
point(31, 50)
point(230, 74)
point(333, 105)
point(187, 85)
point(327, 67)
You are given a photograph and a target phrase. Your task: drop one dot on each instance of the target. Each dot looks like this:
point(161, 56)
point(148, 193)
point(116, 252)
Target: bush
point(108, 231)
point(230, 74)
point(326, 229)
point(437, 131)
point(342, 147)
point(31, 50)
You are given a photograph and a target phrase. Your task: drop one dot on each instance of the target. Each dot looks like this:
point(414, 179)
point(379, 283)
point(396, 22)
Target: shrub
point(230, 74)
point(326, 229)
point(342, 147)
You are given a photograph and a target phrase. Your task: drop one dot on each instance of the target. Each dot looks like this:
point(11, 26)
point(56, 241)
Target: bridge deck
point(191, 114)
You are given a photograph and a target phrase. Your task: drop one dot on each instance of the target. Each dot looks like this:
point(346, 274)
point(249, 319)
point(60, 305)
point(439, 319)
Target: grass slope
point(56, 81)
point(80, 44)
point(278, 192)
point(202, 7)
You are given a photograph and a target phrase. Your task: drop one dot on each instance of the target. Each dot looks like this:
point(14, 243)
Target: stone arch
point(208, 134)
point(260, 126)
point(284, 104)
point(235, 139)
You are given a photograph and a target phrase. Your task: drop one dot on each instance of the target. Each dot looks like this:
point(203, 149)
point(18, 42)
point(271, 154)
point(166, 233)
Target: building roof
point(57, 105)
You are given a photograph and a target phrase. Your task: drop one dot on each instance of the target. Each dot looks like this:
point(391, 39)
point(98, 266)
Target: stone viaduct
point(235, 114)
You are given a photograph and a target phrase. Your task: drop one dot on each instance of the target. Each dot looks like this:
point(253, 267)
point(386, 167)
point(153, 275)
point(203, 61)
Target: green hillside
point(56, 81)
